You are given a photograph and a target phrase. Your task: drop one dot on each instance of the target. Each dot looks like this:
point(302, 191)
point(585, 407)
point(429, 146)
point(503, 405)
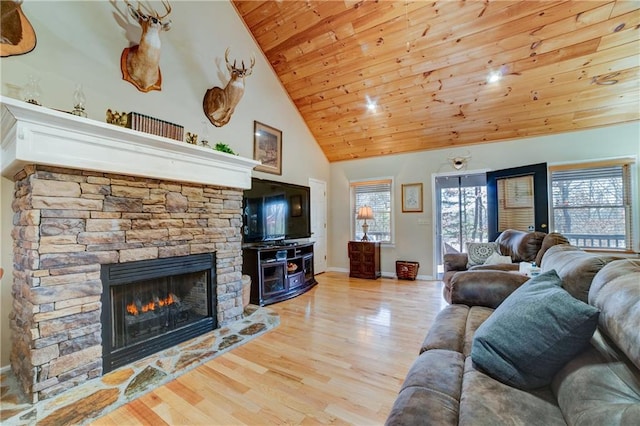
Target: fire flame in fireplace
point(134, 308)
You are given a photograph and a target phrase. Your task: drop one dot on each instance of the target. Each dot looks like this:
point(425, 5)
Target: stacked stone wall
point(67, 223)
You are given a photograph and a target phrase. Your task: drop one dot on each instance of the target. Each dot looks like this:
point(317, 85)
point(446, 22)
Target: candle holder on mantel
point(78, 102)
point(204, 140)
point(32, 91)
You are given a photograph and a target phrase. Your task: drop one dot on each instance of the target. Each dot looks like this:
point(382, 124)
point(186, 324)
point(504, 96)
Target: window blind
point(591, 204)
point(377, 195)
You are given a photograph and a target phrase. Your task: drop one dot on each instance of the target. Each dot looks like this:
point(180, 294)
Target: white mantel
point(33, 134)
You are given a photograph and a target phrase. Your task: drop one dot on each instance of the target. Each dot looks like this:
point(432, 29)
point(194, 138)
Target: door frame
point(319, 251)
point(435, 229)
point(540, 191)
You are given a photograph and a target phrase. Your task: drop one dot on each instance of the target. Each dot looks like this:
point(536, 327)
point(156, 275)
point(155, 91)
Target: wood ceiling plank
point(585, 100)
point(619, 38)
point(502, 117)
point(622, 7)
point(398, 27)
point(330, 57)
point(396, 35)
point(264, 12)
point(386, 91)
point(325, 15)
point(595, 31)
point(535, 127)
point(351, 76)
point(244, 8)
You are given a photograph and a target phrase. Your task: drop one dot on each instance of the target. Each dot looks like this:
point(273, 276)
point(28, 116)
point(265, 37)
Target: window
point(378, 195)
point(591, 204)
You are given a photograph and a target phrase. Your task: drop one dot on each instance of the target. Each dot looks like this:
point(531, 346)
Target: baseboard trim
point(391, 275)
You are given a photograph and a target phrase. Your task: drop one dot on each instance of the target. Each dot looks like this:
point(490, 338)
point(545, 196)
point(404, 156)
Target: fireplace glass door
point(146, 309)
point(154, 304)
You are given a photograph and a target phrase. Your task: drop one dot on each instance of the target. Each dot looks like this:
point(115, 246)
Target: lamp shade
point(365, 212)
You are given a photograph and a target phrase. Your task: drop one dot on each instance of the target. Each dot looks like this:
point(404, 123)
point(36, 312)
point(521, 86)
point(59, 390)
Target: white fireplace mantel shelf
point(33, 134)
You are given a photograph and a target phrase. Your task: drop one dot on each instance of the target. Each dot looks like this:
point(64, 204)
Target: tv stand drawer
point(296, 280)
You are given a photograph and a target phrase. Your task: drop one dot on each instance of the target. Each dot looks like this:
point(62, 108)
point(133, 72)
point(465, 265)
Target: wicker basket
point(406, 270)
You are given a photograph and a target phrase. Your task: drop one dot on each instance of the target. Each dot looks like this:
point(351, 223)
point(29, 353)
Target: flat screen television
point(275, 211)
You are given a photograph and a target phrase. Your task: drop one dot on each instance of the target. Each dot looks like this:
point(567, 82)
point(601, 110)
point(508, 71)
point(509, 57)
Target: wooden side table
point(364, 259)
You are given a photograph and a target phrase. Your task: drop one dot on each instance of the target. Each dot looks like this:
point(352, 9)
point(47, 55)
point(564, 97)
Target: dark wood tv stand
point(276, 278)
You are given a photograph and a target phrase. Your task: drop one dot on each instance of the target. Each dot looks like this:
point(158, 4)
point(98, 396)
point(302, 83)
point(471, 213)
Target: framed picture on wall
point(411, 197)
point(267, 148)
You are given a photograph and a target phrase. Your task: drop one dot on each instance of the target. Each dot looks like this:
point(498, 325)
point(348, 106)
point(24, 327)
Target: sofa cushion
point(616, 292)
point(479, 252)
point(447, 331)
point(575, 267)
point(477, 315)
point(533, 333)
point(598, 387)
point(453, 328)
point(549, 241)
point(486, 401)
point(430, 393)
point(483, 287)
point(519, 245)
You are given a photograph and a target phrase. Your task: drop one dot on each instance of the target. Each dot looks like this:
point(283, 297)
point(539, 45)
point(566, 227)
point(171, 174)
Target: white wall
point(81, 42)
point(415, 241)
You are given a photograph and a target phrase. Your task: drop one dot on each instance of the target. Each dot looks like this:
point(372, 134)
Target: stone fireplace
point(90, 196)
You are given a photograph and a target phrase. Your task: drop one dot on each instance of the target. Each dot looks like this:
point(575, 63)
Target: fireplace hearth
point(150, 305)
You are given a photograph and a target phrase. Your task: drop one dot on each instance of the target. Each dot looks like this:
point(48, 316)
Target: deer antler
point(226, 60)
point(152, 12)
point(253, 62)
point(167, 7)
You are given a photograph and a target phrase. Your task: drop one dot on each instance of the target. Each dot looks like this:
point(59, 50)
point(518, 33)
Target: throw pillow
point(496, 259)
point(477, 253)
point(533, 333)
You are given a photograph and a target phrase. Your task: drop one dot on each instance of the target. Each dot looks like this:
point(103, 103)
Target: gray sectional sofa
point(599, 385)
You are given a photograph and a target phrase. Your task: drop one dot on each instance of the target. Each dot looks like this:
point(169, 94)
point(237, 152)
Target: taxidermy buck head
point(139, 63)
point(219, 104)
point(16, 33)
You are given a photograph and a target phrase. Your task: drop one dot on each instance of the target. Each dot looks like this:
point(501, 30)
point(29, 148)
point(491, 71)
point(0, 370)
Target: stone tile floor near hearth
point(104, 394)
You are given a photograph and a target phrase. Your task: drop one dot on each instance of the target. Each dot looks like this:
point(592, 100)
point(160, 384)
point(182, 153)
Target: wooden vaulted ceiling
point(565, 65)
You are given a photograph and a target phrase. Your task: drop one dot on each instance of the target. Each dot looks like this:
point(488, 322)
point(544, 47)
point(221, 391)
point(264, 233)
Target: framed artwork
point(518, 192)
point(267, 148)
point(412, 198)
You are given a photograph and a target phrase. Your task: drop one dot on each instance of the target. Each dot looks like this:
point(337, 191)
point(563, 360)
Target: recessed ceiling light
point(371, 104)
point(494, 76)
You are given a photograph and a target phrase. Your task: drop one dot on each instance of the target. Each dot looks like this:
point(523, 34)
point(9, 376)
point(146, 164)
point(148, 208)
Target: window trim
point(353, 223)
point(632, 163)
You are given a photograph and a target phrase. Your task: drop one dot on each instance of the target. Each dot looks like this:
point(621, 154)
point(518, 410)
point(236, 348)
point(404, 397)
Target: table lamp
point(365, 212)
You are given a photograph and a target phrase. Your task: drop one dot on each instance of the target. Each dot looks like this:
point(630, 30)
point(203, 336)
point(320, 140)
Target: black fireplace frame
point(117, 274)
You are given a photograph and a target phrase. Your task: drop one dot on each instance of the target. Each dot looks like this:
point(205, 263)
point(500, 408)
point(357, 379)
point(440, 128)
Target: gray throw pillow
point(533, 333)
point(478, 253)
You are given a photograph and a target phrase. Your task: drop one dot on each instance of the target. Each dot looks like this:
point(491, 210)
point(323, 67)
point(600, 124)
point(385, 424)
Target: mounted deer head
point(219, 104)
point(16, 33)
point(139, 63)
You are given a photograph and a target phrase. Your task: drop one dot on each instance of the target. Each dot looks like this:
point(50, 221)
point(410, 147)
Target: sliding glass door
point(461, 213)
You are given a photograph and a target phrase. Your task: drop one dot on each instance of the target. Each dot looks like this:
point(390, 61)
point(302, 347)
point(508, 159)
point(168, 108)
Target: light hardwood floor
point(338, 357)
